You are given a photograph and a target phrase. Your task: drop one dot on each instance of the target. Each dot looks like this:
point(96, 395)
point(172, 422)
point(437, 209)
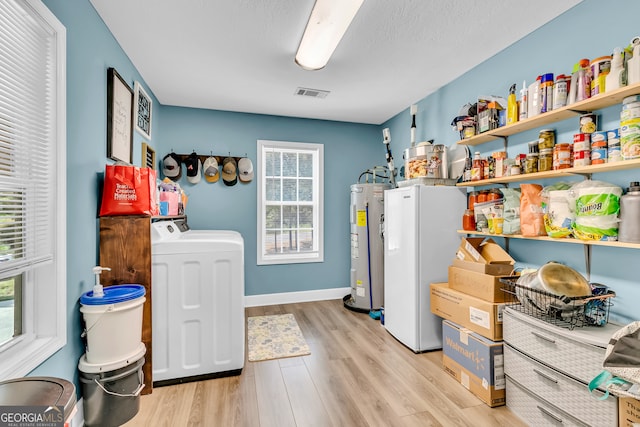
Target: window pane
point(289, 241)
point(306, 165)
point(306, 216)
point(306, 190)
point(306, 240)
point(10, 308)
point(272, 219)
point(272, 242)
point(289, 217)
point(272, 163)
point(11, 225)
point(273, 189)
point(289, 190)
point(289, 164)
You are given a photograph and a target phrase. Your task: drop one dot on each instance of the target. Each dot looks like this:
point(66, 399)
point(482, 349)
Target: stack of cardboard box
point(472, 303)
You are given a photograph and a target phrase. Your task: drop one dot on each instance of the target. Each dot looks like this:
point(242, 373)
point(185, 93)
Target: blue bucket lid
point(113, 294)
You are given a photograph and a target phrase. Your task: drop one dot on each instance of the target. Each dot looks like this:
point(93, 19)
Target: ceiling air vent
point(313, 93)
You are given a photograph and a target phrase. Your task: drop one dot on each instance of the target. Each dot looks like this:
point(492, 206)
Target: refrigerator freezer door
point(420, 241)
point(400, 264)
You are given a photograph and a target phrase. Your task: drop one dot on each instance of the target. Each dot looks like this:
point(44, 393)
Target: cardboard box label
point(479, 317)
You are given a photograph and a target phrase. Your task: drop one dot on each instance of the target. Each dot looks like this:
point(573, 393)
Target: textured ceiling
point(238, 55)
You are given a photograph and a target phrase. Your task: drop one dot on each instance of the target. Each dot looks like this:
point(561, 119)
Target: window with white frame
point(290, 202)
point(32, 186)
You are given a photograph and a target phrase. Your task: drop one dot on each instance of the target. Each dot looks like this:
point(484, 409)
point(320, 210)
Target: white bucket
point(113, 323)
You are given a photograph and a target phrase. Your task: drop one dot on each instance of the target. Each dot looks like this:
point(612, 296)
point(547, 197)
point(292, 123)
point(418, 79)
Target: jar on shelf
point(483, 196)
point(545, 160)
point(531, 163)
point(546, 139)
point(562, 156)
point(468, 220)
point(494, 194)
point(473, 199)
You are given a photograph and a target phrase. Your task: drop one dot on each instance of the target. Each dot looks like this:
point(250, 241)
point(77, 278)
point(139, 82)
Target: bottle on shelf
point(512, 105)
point(523, 100)
point(477, 168)
point(613, 80)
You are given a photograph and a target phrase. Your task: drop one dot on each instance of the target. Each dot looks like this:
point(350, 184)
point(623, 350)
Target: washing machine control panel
point(166, 230)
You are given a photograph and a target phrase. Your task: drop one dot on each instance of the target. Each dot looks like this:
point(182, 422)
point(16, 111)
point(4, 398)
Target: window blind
point(27, 139)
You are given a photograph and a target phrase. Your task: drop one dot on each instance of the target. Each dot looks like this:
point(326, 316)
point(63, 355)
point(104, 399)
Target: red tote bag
point(129, 190)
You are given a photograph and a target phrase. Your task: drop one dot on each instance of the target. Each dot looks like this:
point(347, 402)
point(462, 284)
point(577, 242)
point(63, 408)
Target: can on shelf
point(588, 123)
point(581, 141)
point(562, 156)
point(581, 158)
point(599, 139)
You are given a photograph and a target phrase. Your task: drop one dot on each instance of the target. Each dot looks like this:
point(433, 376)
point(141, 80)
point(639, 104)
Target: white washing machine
point(197, 303)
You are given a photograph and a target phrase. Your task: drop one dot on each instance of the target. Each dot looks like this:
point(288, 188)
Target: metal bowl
point(558, 279)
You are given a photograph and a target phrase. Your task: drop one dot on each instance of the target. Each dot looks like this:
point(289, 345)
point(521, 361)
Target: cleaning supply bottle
point(512, 105)
point(633, 66)
point(613, 80)
point(533, 98)
point(523, 101)
point(546, 92)
point(629, 230)
point(97, 288)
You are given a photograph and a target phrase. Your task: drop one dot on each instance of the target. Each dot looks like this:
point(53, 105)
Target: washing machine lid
point(39, 391)
point(193, 246)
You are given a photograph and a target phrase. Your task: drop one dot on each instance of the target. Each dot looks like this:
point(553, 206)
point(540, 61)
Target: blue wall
point(553, 48)
point(349, 149)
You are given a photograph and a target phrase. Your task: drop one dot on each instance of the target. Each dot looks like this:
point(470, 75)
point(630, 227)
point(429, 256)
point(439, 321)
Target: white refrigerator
point(420, 241)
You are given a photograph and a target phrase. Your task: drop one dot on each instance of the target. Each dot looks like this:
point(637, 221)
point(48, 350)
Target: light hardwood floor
point(356, 375)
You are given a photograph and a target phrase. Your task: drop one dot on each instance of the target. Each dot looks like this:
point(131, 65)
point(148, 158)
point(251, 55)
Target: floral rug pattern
point(275, 337)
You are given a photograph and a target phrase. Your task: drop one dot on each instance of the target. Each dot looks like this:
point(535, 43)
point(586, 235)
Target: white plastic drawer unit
point(578, 353)
point(548, 369)
point(567, 394)
point(536, 412)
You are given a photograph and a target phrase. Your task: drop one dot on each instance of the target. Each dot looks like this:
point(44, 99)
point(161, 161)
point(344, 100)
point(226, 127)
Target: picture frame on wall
point(148, 156)
point(143, 105)
point(119, 118)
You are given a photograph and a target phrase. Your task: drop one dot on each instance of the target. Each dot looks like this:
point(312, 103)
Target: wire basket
point(567, 312)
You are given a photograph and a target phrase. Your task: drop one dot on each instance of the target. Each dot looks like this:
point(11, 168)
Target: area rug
point(275, 337)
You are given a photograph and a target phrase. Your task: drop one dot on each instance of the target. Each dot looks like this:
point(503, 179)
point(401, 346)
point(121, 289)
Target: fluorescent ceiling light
point(327, 24)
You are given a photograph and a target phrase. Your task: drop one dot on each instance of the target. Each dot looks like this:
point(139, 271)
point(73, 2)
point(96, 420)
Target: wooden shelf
point(581, 170)
point(560, 240)
point(598, 102)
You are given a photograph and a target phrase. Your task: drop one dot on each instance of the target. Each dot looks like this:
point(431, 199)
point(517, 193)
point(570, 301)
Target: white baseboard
point(294, 297)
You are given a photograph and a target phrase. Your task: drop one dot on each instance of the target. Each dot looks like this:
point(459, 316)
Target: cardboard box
point(478, 315)
point(492, 269)
point(479, 250)
point(479, 285)
point(475, 362)
point(628, 412)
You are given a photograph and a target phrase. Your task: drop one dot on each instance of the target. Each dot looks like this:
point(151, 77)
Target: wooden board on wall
point(125, 247)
